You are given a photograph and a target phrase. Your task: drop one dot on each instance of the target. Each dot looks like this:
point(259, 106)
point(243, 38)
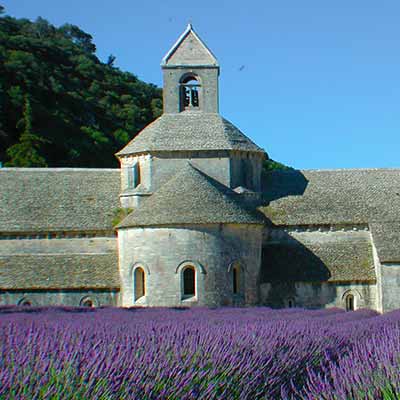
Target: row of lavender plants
point(178, 354)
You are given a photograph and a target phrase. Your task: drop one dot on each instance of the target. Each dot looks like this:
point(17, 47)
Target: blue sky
point(315, 83)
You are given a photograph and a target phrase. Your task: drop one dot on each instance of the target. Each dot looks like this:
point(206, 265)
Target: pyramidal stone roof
point(189, 50)
point(190, 131)
point(191, 197)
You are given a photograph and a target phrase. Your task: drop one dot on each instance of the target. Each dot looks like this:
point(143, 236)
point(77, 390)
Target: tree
point(111, 59)
point(26, 152)
point(84, 110)
point(79, 37)
point(271, 165)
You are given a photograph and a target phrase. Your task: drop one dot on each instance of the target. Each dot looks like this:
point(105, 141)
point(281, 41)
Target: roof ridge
point(293, 170)
point(58, 169)
point(349, 169)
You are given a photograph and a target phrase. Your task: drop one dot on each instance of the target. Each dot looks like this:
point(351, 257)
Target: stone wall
point(231, 169)
point(158, 168)
point(318, 295)
point(246, 170)
point(208, 79)
point(95, 245)
point(163, 253)
point(316, 267)
point(390, 281)
point(214, 164)
point(59, 271)
point(59, 297)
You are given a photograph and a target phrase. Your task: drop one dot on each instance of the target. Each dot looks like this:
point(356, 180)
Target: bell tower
point(190, 72)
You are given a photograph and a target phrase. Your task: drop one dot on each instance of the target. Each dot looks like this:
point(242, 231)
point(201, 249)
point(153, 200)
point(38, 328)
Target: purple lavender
point(229, 353)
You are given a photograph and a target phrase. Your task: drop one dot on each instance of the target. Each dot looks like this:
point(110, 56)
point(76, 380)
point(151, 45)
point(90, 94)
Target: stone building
point(203, 224)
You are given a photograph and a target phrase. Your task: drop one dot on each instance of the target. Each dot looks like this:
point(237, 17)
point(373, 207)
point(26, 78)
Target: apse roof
point(191, 197)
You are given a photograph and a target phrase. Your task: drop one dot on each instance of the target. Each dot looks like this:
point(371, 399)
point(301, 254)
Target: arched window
point(349, 302)
point(25, 302)
point(189, 93)
point(86, 302)
point(189, 281)
point(139, 283)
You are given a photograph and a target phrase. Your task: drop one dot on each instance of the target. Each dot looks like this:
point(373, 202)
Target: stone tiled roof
point(56, 199)
point(387, 240)
point(59, 271)
point(191, 197)
point(332, 261)
point(191, 131)
point(332, 197)
point(364, 196)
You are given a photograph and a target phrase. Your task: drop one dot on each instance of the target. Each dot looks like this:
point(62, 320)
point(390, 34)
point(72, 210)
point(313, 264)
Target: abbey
point(192, 219)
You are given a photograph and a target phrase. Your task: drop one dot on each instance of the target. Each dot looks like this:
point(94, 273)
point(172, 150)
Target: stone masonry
point(191, 219)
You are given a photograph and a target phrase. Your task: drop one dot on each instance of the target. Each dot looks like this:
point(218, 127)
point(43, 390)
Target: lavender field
point(253, 353)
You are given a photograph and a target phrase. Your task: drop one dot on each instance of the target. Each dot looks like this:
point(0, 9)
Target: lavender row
point(251, 353)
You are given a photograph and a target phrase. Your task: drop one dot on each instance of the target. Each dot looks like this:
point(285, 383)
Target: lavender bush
point(145, 354)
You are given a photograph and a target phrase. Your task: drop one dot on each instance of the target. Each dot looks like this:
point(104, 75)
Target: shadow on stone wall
point(292, 271)
point(289, 270)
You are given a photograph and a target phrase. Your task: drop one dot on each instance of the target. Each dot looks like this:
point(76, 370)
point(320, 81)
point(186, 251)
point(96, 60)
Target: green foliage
point(81, 111)
point(25, 153)
point(271, 165)
point(119, 214)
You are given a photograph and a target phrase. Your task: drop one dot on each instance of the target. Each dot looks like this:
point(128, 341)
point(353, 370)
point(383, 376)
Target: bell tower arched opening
point(190, 92)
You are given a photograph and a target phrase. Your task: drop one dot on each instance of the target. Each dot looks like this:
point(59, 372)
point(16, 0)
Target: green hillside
point(59, 104)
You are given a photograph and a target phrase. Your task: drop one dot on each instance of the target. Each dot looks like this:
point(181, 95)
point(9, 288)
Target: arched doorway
point(350, 303)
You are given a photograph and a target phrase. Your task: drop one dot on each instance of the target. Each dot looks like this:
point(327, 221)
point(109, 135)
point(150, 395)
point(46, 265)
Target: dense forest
point(59, 104)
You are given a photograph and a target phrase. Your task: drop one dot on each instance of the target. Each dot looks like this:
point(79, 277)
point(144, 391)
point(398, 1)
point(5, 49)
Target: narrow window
point(135, 176)
point(349, 302)
point(236, 279)
point(290, 303)
point(189, 277)
point(140, 288)
point(190, 89)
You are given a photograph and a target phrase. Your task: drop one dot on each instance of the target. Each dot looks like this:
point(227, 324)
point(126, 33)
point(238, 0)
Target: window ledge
point(189, 299)
point(139, 191)
point(141, 300)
